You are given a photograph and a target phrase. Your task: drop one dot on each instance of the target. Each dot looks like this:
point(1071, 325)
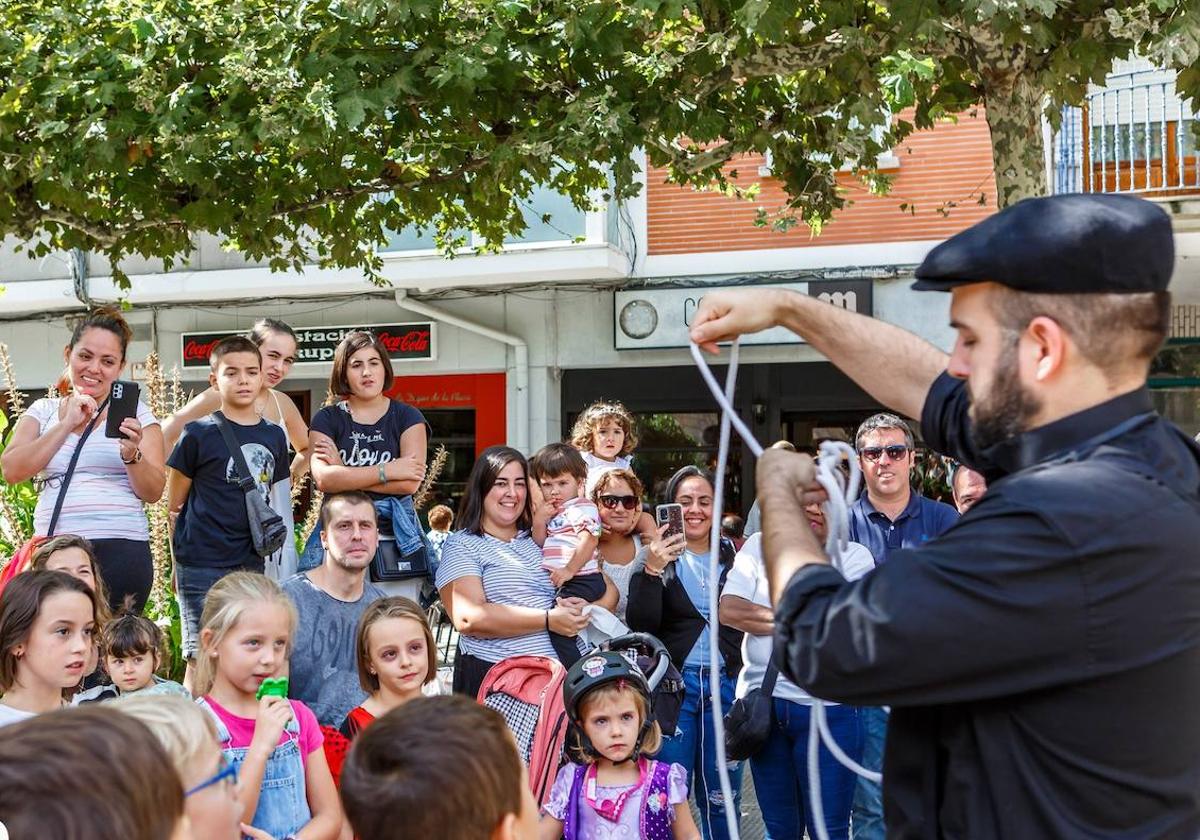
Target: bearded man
point(1042, 656)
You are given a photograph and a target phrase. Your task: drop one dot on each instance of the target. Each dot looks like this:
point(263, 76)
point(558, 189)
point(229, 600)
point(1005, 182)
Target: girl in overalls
point(616, 790)
point(274, 744)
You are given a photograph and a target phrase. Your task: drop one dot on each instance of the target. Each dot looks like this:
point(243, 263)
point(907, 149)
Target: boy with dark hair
point(212, 536)
point(567, 526)
point(441, 767)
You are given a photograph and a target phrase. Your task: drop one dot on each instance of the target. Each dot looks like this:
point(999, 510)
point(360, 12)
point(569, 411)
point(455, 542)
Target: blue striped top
point(511, 573)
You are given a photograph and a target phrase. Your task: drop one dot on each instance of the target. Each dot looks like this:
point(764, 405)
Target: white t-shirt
point(100, 502)
point(10, 715)
point(748, 579)
point(598, 467)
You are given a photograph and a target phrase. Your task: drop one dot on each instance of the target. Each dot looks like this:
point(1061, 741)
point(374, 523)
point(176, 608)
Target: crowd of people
point(536, 546)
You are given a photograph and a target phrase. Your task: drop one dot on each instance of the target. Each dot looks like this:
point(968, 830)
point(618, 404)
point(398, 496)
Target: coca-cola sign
point(408, 342)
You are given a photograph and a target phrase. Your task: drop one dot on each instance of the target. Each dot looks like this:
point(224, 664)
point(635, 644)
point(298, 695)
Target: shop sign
point(407, 342)
point(662, 317)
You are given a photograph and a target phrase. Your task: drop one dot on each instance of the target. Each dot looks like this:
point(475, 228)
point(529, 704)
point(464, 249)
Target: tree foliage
point(302, 130)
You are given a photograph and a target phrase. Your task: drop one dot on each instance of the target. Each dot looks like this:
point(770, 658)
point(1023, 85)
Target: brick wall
point(949, 163)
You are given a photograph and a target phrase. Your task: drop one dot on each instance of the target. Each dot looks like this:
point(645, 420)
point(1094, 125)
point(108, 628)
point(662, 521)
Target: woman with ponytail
point(112, 477)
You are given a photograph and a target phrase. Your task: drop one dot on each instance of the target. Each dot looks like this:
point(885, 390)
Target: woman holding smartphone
point(276, 341)
point(669, 598)
point(112, 478)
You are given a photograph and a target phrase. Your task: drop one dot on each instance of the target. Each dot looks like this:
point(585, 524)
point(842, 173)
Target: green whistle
point(272, 686)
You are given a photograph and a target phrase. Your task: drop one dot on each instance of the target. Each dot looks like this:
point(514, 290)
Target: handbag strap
point(62, 488)
point(768, 684)
point(235, 450)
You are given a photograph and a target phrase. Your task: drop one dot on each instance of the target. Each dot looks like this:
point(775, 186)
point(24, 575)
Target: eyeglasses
point(227, 770)
point(611, 502)
point(895, 452)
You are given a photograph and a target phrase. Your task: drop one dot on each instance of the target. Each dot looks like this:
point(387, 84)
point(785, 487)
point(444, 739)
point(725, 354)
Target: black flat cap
point(1065, 244)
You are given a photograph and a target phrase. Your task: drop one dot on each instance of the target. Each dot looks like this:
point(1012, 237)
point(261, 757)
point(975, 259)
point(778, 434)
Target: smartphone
point(672, 517)
point(122, 403)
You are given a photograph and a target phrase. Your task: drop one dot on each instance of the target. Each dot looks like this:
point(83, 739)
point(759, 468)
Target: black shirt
point(213, 528)
point(1042, 657)
point(367, 444)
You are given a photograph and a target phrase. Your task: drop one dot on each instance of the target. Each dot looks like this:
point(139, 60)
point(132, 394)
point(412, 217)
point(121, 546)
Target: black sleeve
point(643, 609)
point(283, 463)
point(994, 607)
point(409, 417)
point(946, 425)
point(185, 456)
point(326, 422)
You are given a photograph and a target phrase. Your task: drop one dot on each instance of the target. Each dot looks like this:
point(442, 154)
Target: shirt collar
point(1074, 431)
point(913, 508)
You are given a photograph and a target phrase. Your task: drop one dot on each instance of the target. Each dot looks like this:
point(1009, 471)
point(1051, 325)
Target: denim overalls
point(283, 801)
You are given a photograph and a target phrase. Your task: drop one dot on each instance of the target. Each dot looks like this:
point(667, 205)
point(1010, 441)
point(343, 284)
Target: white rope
point(841, 494)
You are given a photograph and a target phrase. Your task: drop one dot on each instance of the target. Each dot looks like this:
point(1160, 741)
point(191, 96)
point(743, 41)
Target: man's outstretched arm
point(891, 364)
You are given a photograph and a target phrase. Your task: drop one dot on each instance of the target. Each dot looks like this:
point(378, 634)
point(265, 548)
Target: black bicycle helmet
point(599, 668)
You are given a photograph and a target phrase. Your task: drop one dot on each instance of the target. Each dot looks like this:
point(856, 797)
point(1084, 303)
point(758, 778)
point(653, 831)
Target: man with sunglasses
point(890, 515)
point(1042, 656)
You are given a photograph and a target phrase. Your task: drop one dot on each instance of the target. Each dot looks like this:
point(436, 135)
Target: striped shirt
point(564, 531)
point(100, 502)
point(511, 574)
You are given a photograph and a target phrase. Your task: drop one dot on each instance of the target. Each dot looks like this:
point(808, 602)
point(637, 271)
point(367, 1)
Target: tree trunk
point(1014, 103)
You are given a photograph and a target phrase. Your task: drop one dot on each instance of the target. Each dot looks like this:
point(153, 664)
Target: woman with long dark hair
point(669, 598)
point(370, 442)
point(491, 579)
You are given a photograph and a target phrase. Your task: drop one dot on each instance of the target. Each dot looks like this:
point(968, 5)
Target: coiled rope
point(842, 492)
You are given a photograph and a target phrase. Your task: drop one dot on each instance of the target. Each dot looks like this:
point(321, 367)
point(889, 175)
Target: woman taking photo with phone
point(90, 484)
point(276, 341)
point(669, 598)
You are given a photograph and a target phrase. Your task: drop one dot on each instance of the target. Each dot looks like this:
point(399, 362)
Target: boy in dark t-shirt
point(212, 532)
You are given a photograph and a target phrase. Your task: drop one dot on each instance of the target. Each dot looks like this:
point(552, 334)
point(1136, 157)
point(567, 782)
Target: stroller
point(528, 693)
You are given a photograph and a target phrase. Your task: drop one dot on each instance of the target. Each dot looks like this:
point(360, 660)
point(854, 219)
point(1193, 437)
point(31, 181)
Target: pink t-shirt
point(564, 531)
point(241, 729)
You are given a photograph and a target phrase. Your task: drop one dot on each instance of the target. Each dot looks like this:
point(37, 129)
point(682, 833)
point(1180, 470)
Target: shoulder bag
point(748, 723)
point(266, 526)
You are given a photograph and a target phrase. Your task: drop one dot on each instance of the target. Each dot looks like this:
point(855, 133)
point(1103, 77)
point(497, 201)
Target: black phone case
point(123, 402)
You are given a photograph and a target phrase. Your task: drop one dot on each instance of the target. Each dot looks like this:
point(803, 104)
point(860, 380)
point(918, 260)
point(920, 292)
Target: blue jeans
point(694, 746)
point(781, 772)
point(191, 586)
point(867, 814)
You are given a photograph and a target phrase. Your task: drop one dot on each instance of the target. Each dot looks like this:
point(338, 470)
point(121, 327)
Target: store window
point(1175, 383)
point(453, 428)
point(670, 440)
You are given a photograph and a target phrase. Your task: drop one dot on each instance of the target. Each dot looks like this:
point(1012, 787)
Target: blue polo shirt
point(922, 519)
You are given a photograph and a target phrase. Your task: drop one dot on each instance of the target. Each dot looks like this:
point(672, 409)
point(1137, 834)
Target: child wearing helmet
point(613, 788)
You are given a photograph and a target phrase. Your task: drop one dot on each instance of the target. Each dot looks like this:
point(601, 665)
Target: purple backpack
point(655, 822)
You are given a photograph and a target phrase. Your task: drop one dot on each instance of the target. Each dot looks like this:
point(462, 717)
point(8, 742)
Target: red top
point(337, 741)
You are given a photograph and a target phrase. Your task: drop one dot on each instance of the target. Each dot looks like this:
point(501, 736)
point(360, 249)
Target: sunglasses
point(227, 770)
point(895, 452)
point(612, 502)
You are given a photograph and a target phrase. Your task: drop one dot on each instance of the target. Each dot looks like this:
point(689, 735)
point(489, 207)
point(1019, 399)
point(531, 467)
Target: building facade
point(510, 347)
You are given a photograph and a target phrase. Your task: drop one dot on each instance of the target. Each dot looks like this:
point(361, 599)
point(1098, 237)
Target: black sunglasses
point(611, 502)
point(895, 452)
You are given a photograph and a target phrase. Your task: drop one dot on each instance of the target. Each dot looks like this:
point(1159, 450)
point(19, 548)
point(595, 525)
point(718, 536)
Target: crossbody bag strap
point(62, 488)
point(235, 451)
point(768, 684)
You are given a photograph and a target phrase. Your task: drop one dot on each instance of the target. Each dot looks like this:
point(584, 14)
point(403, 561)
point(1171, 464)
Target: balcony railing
point(1136, 135)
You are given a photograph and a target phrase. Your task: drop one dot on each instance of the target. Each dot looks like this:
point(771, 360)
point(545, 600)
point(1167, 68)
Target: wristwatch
point(137, 456)
point(382, 475)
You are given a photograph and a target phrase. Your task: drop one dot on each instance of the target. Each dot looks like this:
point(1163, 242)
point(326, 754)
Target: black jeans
point(588, 587)
point(469, 672)
point(127, 570)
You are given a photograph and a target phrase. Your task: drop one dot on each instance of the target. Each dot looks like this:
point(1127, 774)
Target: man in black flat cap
point(1042, 657)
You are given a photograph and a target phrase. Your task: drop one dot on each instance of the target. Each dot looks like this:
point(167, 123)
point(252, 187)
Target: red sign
point(316, 345)
point(484, 392)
